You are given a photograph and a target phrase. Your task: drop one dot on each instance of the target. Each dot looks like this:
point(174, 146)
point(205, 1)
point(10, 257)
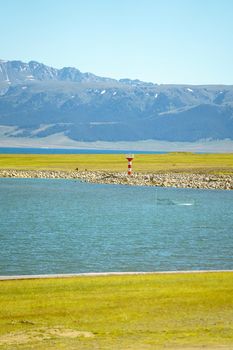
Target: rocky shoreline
point(179, 180)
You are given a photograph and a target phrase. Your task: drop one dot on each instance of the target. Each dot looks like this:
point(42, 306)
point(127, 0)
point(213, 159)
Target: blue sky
point(163, 41)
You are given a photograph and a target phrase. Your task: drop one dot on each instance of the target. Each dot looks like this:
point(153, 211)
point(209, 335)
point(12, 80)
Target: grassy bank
point(172, 162)
point(140, 312)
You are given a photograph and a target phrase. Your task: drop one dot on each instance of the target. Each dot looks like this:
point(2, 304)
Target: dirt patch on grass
point(43, 333)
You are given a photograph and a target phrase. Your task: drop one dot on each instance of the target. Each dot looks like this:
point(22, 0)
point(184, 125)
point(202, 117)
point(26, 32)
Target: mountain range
point(37, 101)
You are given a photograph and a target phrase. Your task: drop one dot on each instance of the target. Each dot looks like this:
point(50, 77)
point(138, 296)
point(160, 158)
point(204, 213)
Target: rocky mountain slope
point(39, 101)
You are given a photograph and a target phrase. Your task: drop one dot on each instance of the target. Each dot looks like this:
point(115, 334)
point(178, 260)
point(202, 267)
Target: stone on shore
point(179, 180)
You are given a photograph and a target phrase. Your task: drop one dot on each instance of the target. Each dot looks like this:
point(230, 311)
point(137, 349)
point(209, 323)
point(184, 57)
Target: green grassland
point(173, 162)
point(126, 312)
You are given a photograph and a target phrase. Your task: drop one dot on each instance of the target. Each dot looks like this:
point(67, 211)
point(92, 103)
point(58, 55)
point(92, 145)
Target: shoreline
point(102, 274)
point(168, 179)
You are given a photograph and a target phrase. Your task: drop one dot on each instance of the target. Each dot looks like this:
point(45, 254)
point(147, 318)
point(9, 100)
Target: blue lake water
point(65, 226)
point(29, 150)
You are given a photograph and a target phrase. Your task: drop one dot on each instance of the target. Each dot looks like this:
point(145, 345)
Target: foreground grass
point(182, 311)
point(174, 162)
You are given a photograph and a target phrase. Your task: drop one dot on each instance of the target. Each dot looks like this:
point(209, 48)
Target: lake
point(66, 226)
point(29, 150)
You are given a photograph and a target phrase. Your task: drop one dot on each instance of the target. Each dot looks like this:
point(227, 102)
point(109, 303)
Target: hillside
point(39, 101)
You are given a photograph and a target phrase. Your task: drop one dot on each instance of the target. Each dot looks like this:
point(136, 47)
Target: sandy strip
point(96, 274)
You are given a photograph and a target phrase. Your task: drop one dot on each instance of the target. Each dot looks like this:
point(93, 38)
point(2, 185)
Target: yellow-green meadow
point(154, 311)
point(172, 162)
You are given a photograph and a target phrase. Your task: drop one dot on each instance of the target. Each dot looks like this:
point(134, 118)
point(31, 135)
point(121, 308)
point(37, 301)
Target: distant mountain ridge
point(18, 72)
point(38, 101)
